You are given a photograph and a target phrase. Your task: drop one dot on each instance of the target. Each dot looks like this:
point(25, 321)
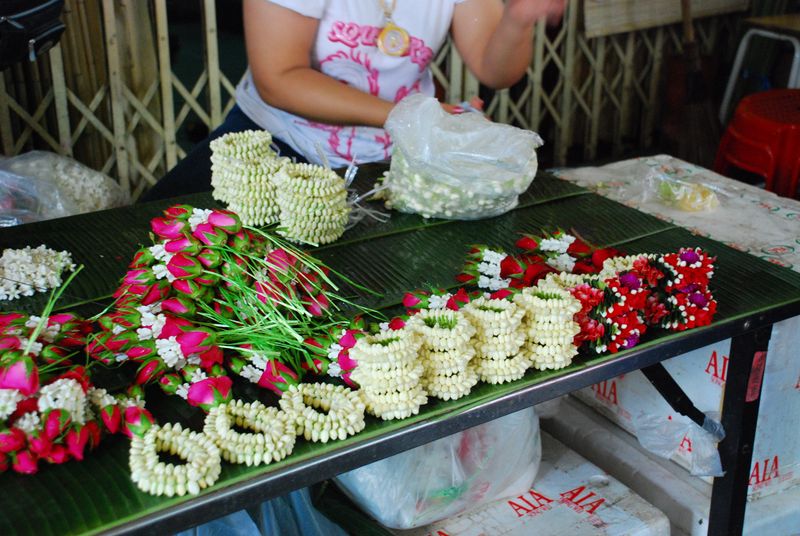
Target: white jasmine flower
point(183, 390)
point(170, 351)
point(29, 422)
point(8, 402)
point(563, 263)
point(199, 215)
point(438, 302)
point(334, 370)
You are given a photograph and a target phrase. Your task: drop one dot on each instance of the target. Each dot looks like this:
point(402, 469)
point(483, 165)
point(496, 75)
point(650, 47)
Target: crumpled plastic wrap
point(456, 166)
point(491, 461)
point(40, 186)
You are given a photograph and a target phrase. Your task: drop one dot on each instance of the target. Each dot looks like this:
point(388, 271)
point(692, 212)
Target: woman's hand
point(475, 102)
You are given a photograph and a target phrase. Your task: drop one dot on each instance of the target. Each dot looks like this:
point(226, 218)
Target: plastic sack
point(456, 166)
point(681, 194)
point(663, 438)
point(491, 461)
point(39, 185)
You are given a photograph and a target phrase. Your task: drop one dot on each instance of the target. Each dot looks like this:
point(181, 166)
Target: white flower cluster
point(446, 352)
point(66, 394)
point(242, 167)
point(389, 373)
point(48, 333)
point(431, 197)
point(100, 397)
point(323, 411)
point(169, 350)
point(498, 339)
point(253, 371)
point(564, 280)
point(8, 402)
point(152, 322)
point(26, 271)
point(29, 422)
point(272, 437)
point(550, 326)
point(489, 270)
point(153, 476)
point(614, 265)
point(313, 203)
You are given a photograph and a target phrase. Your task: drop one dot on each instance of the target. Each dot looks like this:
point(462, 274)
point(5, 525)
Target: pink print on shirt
point(352, 34)
point(351, 68)
point(340, 139)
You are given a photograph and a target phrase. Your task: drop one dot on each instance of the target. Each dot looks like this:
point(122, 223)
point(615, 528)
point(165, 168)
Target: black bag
point(28, 28)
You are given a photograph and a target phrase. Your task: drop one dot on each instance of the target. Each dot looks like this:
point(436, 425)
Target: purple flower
point(689, 256)
point(698, 299)
point(630, 281)
point(631, 341)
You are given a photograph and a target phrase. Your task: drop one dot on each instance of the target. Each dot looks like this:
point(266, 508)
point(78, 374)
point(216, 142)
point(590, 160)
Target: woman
point(324, 74)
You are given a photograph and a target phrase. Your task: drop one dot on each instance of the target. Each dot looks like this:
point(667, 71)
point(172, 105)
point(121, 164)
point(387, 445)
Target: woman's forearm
point(508, 53)
point(318, 97)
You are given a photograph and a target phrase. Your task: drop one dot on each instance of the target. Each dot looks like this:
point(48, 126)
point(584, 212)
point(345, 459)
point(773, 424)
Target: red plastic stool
point(764, 138)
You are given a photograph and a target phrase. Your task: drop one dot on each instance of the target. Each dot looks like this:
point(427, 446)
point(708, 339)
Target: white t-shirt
point(346, 49)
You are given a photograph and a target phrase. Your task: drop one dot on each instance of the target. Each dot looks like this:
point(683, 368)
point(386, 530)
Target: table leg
point(739, 418)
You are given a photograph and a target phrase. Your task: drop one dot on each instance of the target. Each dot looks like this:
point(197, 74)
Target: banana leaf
point(408, 252)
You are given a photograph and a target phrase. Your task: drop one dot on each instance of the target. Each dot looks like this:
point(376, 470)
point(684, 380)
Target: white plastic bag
point(446, 477)
point(456, 166)
point(46, 185)
point(663, 438)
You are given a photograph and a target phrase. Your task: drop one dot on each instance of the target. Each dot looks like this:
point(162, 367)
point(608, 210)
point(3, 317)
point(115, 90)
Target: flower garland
point(23, 272)
point(446, 352)
point(153, 476)
point(272, 438)
point(313, 203)
point(389, 373)
point(498, 339)
point(323, 411)
point(242, 167)
point(550, 326)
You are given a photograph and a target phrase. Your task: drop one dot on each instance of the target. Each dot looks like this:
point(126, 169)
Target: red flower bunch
point(687, 300)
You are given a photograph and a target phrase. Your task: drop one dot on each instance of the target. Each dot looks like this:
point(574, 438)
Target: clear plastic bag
point(663, 438)
point(446, 477)
point(681, 194)
point(39, 185)
point(456, 166)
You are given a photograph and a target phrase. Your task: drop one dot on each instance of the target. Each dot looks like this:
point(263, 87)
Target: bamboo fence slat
point(117, 102)
point(62, 107)
point(212, 63)
point(165, 83)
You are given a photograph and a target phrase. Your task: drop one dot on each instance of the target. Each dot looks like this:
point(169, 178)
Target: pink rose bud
point(179, 305)
point(12, 440)
point(277, 377)
point(210, 235)
point(58, 454)
point(112, 418)
point(76, 440)
point(141, 350)
point(210, 258)
point(94, 433)
point(22, 374)
point(25, 462)
point(142, 259)
point(135, 391)
point(349, 339)
point(410, 300)
point(137, 421)
point(170, 382)
point(208, 279)
point(139, 276)
point(10, 342)
point(345, 361)
point(188, 288)
point(62, 319)
point(122, 341)
point(179, 212)
point(184, 266)
point(185, 244)
point(317, 305)
point(40, 445)
point(55, 422)
point(240, 241)
point(397, 323)
point(168, 228)
point(156, 292)
point(281, 261)
point(149, 370)
point(236, 364)
point(174, 326)
point(7, 319)
point(210, 392)
point(226, 220)
point(196, 341)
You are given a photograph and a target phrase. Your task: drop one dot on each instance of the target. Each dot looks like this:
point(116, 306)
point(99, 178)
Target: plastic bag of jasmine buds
point(55, 186)
point(456, 166)
point(446, 477)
